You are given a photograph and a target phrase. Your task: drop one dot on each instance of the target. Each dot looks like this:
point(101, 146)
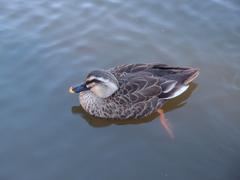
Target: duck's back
point(181, 74)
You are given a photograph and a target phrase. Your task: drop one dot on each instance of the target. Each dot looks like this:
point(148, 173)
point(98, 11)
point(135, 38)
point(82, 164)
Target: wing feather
point(141, 82)
point(139, 87)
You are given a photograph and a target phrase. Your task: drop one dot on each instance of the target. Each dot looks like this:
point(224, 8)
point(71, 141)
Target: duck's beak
point(78, 88)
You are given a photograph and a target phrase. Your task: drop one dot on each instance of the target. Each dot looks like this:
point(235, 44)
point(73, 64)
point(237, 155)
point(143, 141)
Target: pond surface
point(46, 46)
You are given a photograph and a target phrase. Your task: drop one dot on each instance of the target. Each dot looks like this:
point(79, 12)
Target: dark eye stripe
point(93, 81)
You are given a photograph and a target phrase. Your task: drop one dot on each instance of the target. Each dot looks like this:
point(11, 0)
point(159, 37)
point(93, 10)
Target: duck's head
point(102, 83)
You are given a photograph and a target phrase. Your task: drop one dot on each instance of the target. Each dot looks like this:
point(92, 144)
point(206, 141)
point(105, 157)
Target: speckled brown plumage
point(142, 88)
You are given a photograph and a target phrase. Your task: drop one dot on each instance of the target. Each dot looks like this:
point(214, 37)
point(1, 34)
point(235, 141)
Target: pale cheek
point(98, 91)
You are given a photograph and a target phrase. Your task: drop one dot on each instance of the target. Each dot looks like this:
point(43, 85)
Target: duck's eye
point(92, 82)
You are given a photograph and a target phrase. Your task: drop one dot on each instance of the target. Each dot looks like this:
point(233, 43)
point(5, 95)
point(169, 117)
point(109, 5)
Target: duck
point(133, 90)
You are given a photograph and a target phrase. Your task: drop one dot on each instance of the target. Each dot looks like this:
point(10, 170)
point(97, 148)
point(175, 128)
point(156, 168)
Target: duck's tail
point(183, 75)
point(189, 75)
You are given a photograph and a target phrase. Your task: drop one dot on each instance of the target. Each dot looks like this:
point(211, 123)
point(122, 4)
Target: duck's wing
point(142, 93)
point(182, 75)
point(142, 86)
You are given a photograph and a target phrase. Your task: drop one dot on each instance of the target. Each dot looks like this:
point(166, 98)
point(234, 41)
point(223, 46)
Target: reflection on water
point(46, 46)
point(169, 106)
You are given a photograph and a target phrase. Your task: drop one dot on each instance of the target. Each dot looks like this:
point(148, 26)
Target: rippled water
point(46, 46)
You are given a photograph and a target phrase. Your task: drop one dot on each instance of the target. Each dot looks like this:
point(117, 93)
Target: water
point(46, 46)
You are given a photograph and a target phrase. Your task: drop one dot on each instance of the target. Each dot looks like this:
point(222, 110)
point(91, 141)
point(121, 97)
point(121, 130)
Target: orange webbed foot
point(165, 123)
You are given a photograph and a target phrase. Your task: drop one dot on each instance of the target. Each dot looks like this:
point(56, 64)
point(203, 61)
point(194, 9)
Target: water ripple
point(46, 46)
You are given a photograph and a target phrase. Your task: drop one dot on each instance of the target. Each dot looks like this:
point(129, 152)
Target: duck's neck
point(90, 101)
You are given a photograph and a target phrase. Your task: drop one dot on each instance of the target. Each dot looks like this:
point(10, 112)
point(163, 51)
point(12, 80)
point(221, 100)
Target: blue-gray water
point(46, 46)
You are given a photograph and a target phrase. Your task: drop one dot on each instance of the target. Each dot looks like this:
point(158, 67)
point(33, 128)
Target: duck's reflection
point(175, 103)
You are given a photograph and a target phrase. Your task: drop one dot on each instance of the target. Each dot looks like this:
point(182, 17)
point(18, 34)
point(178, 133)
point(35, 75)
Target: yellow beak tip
point(70, 90)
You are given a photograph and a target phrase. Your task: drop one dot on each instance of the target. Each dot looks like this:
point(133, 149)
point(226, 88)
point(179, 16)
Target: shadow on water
point(175, 103)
